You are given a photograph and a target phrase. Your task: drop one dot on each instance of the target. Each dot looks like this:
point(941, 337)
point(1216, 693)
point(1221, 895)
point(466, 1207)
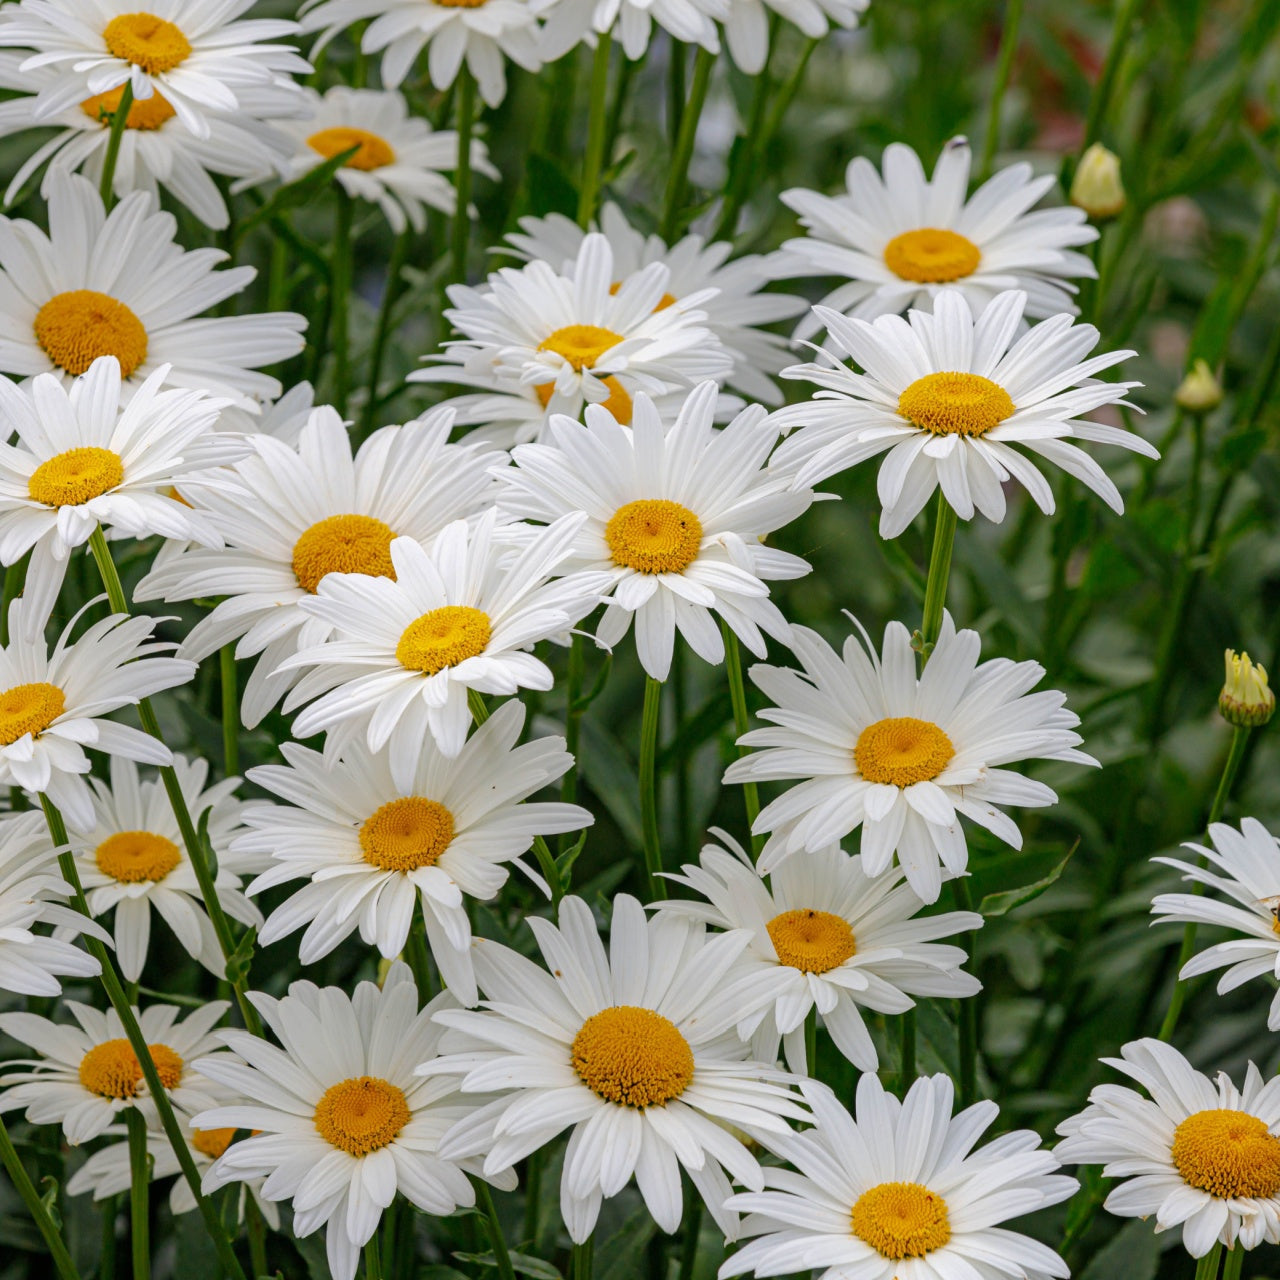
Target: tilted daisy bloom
point(675, 519)
point(835, 939)
point(283, 418)
point(746, 29)
point(485, 34)
point(569, 23)
point(341, 1122)
point(117, 285)
point(369, 849)
point(1245, 866)
point(192, 52)
point(52, 704)
point(87, 1074)
point(947, 397)
point(898, 1191)
point(407, 649)
point(297, 513)
point(401, 162)
point(1199, 1155)
point(903, 757)
point(734, 313)
point(897, 240)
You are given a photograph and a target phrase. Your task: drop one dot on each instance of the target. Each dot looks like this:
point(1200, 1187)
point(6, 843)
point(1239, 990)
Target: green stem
point(968, 1011)
point(21, 1180)
point(119, 120)
point(682, 153)
point(692, 1231)
point(390, 292)
point(741, 724)
point(464, 121)
point(230, 709)
point(907, 1029)
point(573, 716)
point(256, 1229)
point(107, 1248)
point(935, 592)
point(139, 1194)
point(580, 1260)
point(1234, 1262)
point(340, 284)
point(418, 955)
point(1101, 98)
point(740, 179)
point(1004, 67)
point(278, 275)
point(14, 578)
point(811, 1044)
point(597, 125)
point(648, 783)
point(502, 1259)
point(1207, 1267)
point(372, 1262)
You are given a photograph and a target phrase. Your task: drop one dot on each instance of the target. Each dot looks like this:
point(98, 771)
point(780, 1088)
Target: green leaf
point(49, 1198)
point(617, 1255)
point(522, 1263)
point(293, 194)
point(1133, 1252)
point(564, 863)
point(999, 904)
point(241, 958)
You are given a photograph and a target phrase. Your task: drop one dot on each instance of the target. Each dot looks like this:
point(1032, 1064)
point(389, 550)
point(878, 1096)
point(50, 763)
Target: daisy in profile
point(746, 29)
point(401, 162)
point(903, 757)
point(676, 518)
point(87, 1074)
point(118, 285)
point(896, 241)
point(409, 647)
point(283, 418)
point(484, 34)
point(897, 1190)
point(369, 849)
point(836, 940)
point(341, 1123)
point(947, 396)
point(1245, 866)
point(1198, 1154)
point(292, 514)
point(52, 704)
point(191, 52)
point(632, 1049)
point(568, 23)
point(33, 893)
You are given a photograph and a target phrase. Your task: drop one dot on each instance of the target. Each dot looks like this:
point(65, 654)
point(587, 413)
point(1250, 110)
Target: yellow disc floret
point(361, 1115)
point(932, 255)
point(581, 344)
point(343, 544)
point(946, 404)
point(406, 834)
point(653, 535)
point(147, 114)
point(71, 479)
point(147, 42)
point(901, 1220)
point(632, 1056)
point(443, 638)
point(76, 327)
point(29, 708)
point(133, 857)
point(212, 1142)
point(1229, 1154)
point(112, 1070)
point(901, 751)
point(814, 941)
point(374, 152)
point(618, 401)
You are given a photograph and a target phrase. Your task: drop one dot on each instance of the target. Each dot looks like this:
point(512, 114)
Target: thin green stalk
point(230, 709)
point(119, 121)
point(14, 577)
point(692, 1228)
point(21, 1180)
point(935, 592)
point(372, 1262)
point(1207, 1267)
point(1233, 1263)
point(741, 724)
point(256, 1230)
point(1101, 98)
point(390, 292)
point(501, 1257)
point(1004, 67)
point(648, 783)
point(464, 121)
point(278, 275)
point(677, 88)
point(785, 97)
point(740, 178)
point(682, 152)
point(580, 1260)
point(418, 955)
point(597, 125)
point(139, 1194)
point(907, 1031)
point(107, 1246)
point(340, 285)
point(811, 1044)
point(573, 716)
point(968, 1010)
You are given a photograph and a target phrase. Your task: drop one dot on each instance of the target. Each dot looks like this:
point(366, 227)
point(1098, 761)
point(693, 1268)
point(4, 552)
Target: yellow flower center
point(901, 1220)
point(361, 1115)
point(443, 638)
point(374, 153)
point(618, 401)
point(634, 1057)
point(134, 856)
point(144, 113)
point(72, 478)
point(902, 750)
point(212, 1142)
point(654, 535)
point(947, 404)
point(76, 327)
point(146, 41)
point(931, 255)
point(1229, 1154)
point(406, 834)
point(112, 1070)
point(581, 344)
point(813, 941)
point(29, 708)
point(667, 299)
point(343, 544)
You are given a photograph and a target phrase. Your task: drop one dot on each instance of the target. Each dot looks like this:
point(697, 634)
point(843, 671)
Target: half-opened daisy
point(569, 23)
point(746, 29)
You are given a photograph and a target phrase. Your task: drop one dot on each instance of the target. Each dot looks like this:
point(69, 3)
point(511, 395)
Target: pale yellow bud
point(1097, 188)
point(1246, 699)
point(1200, 391)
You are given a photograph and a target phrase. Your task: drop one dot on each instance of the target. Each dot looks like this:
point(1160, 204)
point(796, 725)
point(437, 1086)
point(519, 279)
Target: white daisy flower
point(342, 1123)
point(675, 521)
point(483, 32)
point(569, 23)
point(734, 313)
point(368, 848)
point(52, 704)
point(746, 29)
point(897, 1190)
point(903, 757)
point(407, 649)
point(87, 1074)
point(834, 938)
point(118, 285)
point(898, 240)
point(191, 51)
point(283, 418)
point(1249, 863)
point(633, 1049)
point(298, 513)
point(1198, 1155)
point(32, 893)
point(573, 336)
point(401, 162)
point(947, 396)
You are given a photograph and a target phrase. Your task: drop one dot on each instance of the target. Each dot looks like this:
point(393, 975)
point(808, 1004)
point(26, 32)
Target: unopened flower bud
point(1200, 391)
point(1246, 699)
point(1097, 188)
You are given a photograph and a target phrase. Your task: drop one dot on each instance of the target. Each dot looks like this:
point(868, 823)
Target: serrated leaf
point(999, 904)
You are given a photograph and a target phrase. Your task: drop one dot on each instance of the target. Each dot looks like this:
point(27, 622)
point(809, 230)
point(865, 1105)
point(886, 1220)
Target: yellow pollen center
point(72, 478)
point(374, 153)
point(667, 299)
point(964, 404)
point(632, 1056)
point(443, 638)
point(581, 344)
point(29, 708)
point(112, 1070)
point(901, 1220)
point(135, 856)
point(147, 42)
point(902, 750)
point(814, 941)
point(212, 1142)
point(406, 834)
point(144, 113)
point(76, 327)
point(343, 544)
point(618, 402)
point(1229, 1154)
point(654, 535)
point(361, 1115)
point(931, 255)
